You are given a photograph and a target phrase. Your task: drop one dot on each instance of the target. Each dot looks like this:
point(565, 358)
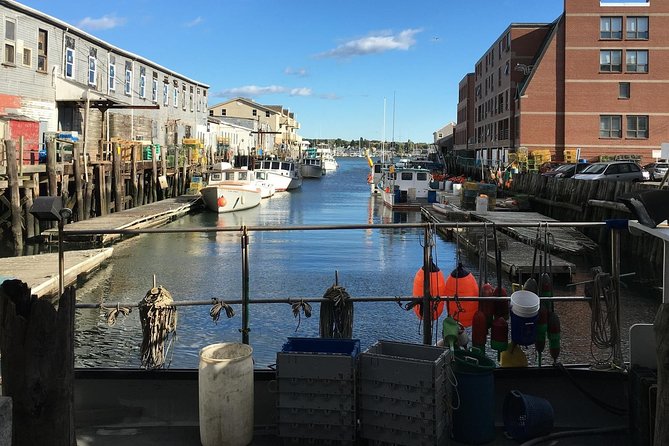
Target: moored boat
point(285, 175)
point(230, 197)
point(311, 168)
point(407, 188)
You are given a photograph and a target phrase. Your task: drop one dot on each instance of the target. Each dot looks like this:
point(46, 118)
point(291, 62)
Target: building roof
point(11, 4)
point(248, 102)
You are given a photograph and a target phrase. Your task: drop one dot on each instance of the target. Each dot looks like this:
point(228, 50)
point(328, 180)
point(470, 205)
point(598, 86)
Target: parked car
point(613, 171)
point(657, 170)
point(566, 170)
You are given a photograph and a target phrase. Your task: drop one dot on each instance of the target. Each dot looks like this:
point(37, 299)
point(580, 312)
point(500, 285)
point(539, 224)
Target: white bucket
point(524, 303)
point(225, 384)
point(482, 204)
point(457, 187)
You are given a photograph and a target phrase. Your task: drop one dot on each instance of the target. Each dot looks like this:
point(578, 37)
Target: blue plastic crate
point(350, 347)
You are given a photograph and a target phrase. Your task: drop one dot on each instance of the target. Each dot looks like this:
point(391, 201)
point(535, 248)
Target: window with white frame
point(10, 42)
point(92, 70)
point(112, 77)
point(636, 61)
point(69, 63)
point(637, 28)
point(154, 90)
point(142, 85)
point(42, 50)
point(128, 82)
point(610, 126)
point(175, 98)
point(198, 100)
point(610, 61)
point(166, 95)
point(27, 57)
point(637, 127)
point(611, 28)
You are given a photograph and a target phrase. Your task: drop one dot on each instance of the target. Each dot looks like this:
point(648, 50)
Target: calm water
point(287, 264)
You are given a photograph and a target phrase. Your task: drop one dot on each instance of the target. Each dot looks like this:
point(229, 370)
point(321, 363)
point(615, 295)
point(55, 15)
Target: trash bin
point(225, 383)
point(527, 416)
point(474, 406)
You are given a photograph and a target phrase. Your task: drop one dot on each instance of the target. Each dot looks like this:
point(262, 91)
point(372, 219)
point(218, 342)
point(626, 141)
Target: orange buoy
point(437, 289)
point(462, 283)
point(221, 201)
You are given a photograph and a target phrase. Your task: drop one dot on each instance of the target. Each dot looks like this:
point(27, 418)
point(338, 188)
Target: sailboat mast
point(392, 145)
point(383, 143)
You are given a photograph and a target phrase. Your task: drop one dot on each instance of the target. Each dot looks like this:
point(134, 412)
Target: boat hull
point(228, 198)
point(310, 171)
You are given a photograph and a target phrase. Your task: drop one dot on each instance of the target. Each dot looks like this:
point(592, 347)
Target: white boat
point(311, 168)
point(408, 188)
point(225, 173)
point(230, 197)
point(285, 175)
point(378, 176)
point(327, 159)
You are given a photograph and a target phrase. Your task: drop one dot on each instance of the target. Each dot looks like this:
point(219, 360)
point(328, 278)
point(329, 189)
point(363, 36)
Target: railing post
point(245, 285)
point(615, 275)
point(427, 301)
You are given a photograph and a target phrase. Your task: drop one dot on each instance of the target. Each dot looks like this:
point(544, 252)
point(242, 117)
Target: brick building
point(592, 80)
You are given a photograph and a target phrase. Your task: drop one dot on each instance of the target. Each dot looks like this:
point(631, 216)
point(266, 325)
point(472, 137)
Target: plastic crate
point(316, 399)
point(403, 394)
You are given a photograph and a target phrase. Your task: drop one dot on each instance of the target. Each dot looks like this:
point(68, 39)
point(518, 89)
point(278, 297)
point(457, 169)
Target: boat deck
point(140, 217)
point(40, 272)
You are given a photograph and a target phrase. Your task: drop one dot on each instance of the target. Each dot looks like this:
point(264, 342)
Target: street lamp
point(51, 209)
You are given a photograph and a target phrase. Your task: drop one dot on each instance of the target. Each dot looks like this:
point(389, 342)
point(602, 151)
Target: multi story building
point(592, 81)
point(464, 129)
point(64, 79)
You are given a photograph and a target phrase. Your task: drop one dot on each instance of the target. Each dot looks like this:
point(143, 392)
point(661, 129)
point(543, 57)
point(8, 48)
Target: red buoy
point(462, 283)
point(479, 330)
point(437, 289)
point(499, 335)
point(487, 307)
point(554, 335)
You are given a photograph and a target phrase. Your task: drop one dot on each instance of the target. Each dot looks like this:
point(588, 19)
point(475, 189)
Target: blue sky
point(331, 62)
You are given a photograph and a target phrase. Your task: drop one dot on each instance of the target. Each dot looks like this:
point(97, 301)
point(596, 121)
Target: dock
point(517, 255)
point(147, 216)
point(40, 272)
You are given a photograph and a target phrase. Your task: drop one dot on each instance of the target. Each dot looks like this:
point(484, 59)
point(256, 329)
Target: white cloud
point(300, 72)
point(374, 44)
point(196, 21)
point(104, 22)
point(256, 90)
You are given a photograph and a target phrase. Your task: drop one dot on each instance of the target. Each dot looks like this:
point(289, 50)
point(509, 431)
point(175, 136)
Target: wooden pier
point(40, 272)
point(517, 255)
point(146, 216)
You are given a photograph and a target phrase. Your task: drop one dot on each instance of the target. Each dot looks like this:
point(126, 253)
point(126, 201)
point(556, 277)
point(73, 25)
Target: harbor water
point(290, 264)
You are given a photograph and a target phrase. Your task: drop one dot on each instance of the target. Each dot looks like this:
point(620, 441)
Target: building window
point(255, 112)
point(154, 90)
point(610, 61)
point(637, 28)
point(637, 61)
point(69, 63)
point(166, 95)
point(112, 77)
point(224, 112)
point(175, 97)
point(199, 101)
point(611, 28)
point(27, 57)
point(92, 70)
point(624, 90)
point(42, 50)
point(637, 127)
point(10, 42)
point(610, 126)
point(142, 84)
point(267, 114)
point(128, 82)
point(183, 97)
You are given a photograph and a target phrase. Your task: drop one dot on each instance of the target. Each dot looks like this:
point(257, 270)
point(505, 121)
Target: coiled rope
point(217, 306)
point(336, 318)
point(159, 324)
point(299, 308)
point(604, 324)
point(111, 314)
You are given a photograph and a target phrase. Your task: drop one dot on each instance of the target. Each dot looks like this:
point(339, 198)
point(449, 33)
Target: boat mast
point(392, 144)
point(383, 142)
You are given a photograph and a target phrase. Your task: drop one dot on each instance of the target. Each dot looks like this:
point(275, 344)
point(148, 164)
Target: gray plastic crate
point(403, 394)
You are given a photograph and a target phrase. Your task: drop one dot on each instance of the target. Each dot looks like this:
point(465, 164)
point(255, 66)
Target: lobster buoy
point(499, 335)
point(487, 306)
point(221, 202)
point(437, 288)
point(479, 330)
point(542, 328)
point(554, 335)
point(501, 307)
point(462, 283)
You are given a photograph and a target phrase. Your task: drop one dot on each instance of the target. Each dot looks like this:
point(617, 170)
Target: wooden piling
point(78, 186)
point(30, 219)
point(118, 181)
point(37, 347)
point(134, 191)
point(154, 175)
point(140, 189)
point(15, 200)
point(102, 190)
point(51, 167)
point(108, 189)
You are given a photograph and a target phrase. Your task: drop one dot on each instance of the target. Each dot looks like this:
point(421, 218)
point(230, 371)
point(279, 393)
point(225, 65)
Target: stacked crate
point(570, 156)
point(404, 394)
point(316, 391)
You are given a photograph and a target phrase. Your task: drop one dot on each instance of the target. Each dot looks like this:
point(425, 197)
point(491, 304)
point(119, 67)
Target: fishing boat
point(408, 188)
point(224, 173)
point(230, 190)
point(285, 175)
point(327, 158)
point(311, 168)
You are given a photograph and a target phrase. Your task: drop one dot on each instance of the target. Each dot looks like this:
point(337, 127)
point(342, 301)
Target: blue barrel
point(527, 416)
point(432, 196)
point(474, 397)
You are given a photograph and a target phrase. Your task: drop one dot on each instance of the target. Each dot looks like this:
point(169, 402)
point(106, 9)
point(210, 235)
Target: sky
point(333, 63)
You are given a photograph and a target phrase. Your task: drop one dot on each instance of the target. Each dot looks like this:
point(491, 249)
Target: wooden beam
point(12, 173)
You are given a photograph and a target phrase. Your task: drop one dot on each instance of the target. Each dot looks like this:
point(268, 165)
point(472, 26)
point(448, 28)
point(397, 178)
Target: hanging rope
point(111, 314)
point(336, 318)
point(604, 328)
point(300, 308)
point(217, 306)
point(159, 324)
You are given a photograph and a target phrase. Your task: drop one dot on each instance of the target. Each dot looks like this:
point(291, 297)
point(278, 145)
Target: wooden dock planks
point(40, 272)
point(146, 216)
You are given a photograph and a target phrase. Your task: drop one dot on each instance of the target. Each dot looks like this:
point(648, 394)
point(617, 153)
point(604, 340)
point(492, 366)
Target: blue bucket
point(527, 416)
point(524, 314)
